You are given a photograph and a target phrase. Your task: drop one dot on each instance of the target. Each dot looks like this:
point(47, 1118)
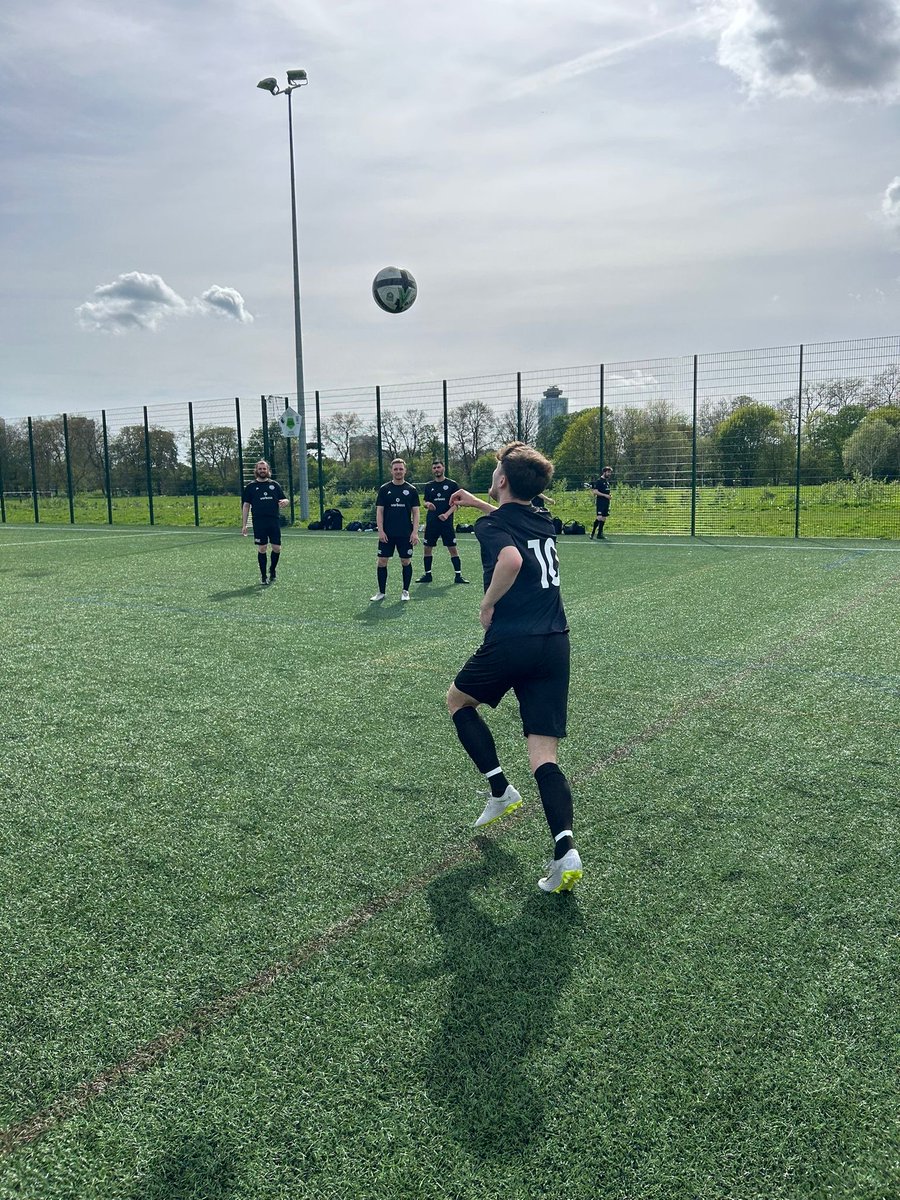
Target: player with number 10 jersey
point(533, 606)
point(525, 650)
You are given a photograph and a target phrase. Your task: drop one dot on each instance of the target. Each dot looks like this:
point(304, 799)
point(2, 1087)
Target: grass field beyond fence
point(252, 950)
point(846, 508)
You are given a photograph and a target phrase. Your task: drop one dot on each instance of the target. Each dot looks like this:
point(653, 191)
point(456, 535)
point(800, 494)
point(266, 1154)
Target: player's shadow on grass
point(484, 1069)
point(381, 610)
point(252, 590)
point(195, 1168)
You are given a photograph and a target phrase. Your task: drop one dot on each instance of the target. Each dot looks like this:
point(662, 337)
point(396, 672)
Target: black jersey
point(263, 499)
point(533, 605)
point(601, 486)
point(398, 500)
point(439, 495)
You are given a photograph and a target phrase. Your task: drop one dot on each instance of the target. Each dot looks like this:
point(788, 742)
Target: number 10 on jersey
point(546, 555)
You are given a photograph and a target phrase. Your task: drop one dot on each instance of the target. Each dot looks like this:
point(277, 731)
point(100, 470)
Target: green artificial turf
point(202, 780)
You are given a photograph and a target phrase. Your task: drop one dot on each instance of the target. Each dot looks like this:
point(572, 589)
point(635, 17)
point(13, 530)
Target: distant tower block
point(552, 404)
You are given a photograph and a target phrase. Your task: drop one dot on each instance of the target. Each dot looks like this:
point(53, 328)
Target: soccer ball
point(394, 289)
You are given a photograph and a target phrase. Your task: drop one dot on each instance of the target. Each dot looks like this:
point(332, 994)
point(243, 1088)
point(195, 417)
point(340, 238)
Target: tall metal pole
point(34, 495)
point(106, 477)
point(694, 453)
point(69, 469)
point(298, 337)
point(147, 460)
point(194, 465)
point(799, 444)
point(319, 456)
point(446, 430)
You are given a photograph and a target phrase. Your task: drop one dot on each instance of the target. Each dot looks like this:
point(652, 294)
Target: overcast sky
point(569, 181)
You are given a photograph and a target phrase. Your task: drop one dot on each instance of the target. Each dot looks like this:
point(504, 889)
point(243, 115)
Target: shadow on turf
point(508, 979)
point(197, 1168)
point(253, 589)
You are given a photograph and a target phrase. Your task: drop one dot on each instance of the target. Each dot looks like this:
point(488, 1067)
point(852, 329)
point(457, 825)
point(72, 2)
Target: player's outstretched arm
point(464, 499)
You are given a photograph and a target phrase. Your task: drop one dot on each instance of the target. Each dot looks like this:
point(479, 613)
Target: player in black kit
point(439, 520)
point(397, 518)
point(264, 498)
point(601, 489)
point(525, 648)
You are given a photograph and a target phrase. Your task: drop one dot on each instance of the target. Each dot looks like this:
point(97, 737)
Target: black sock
point(556, 797)
point(276, 554)
point(457, 565)
point(407, 576)
point(594, 528)
point(382, 579)
point(426, 562)
point(261, 559)
point(478, 743)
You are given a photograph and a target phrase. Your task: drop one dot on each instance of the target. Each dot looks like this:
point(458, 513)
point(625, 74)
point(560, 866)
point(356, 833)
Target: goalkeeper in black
point(525, 649)
point(439, 520)
point(264, 498)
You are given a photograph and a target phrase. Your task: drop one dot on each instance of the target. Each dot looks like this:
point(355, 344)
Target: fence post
point(106, 477)
point(265, 430)
point(2, 490)
point(378, 432)
point(193, 464)
point(34, 495)
point(799, 432)
point(240, 448)
point(446, 430)
point(602, 462)
point(518, 406)
point(68, 469)
point(694, 455)
point(319, 456)
point(289, 450)
point(147, 459)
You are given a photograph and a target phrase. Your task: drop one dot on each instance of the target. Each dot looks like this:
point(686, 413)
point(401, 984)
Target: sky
point(569, 181)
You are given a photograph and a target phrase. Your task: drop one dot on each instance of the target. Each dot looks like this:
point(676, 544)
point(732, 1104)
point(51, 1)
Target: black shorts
point(537, 670)
point(267, 531)
point(402, 545)
point(603, 506)
point(439, 531)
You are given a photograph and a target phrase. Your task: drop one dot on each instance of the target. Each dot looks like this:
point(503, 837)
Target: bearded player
point(264, 498)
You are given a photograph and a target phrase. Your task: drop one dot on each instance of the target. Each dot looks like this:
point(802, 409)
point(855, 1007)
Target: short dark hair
point(527, 471)
point(437, 462)
point(605, 469)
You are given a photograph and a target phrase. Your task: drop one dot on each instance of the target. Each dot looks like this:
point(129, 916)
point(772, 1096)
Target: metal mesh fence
point(793, 441)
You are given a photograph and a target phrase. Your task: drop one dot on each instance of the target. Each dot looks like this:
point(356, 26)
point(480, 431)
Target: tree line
point(848, 427)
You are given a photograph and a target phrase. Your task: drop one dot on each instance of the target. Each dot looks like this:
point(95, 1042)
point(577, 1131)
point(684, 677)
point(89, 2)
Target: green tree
point(753, 445)
point(216, 450)
point(128, 459)
point(482, 472)
point(825, 437)
point(577, 456)
point(550, 435)
point(874, 449)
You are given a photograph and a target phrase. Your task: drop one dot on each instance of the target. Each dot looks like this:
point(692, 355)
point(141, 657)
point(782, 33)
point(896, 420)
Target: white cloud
point(890, 203)
point(845, 48)
point(136, 300)
point(227, 302)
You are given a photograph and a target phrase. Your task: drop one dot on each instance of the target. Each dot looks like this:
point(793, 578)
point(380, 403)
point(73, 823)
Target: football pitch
point(252, 949)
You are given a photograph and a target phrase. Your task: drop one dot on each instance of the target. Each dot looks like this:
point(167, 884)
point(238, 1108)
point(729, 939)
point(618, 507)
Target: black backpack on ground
point(314, 525)
point(354, 527)
point(573, 527)
point(332, 518)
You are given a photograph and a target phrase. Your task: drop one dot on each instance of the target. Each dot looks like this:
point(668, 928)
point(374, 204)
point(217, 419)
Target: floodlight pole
point(295, 79)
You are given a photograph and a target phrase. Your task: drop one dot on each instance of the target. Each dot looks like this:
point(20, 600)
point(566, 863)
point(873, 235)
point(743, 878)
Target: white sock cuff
point(565, 833)
point(496, 771)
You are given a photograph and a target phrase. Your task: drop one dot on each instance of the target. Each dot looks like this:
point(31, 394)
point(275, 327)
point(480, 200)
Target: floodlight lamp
point(269, 85)
point(297, 77)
